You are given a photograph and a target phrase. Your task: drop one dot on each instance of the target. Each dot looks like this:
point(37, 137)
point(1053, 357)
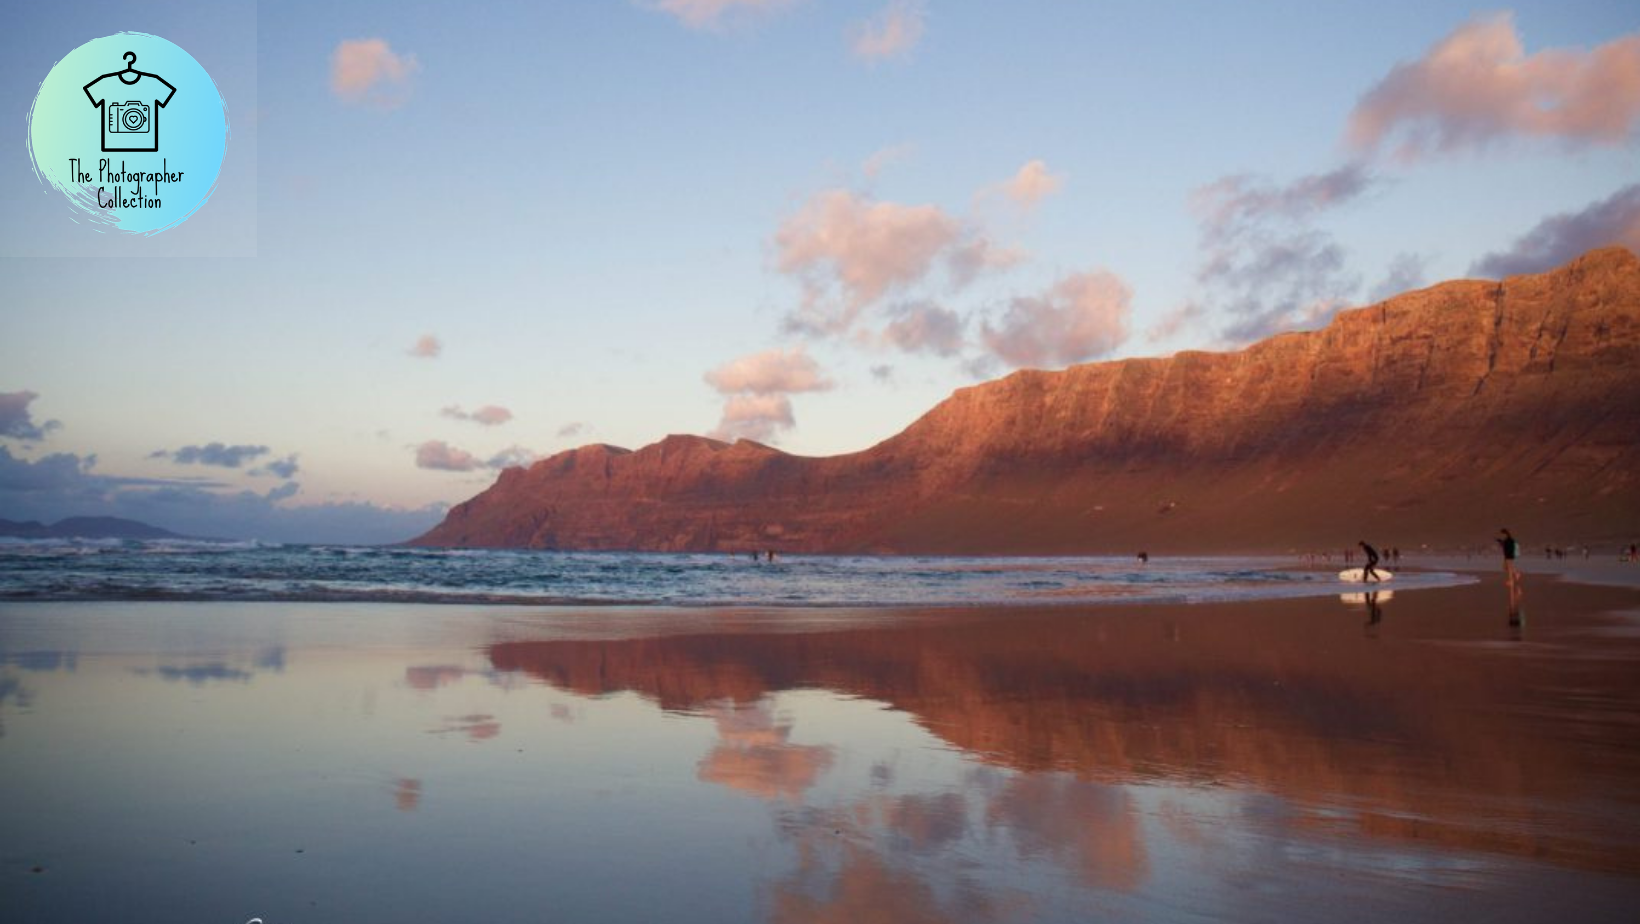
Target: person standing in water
point(1367, 570)
point(1511, 550)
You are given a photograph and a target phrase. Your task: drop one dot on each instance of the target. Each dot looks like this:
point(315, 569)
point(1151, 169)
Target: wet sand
point(1424, 756)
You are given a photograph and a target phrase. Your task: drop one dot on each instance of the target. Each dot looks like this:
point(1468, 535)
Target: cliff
point(1435, 416)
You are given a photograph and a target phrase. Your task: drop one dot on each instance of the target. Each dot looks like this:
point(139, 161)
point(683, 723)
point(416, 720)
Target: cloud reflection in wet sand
point(754, 754)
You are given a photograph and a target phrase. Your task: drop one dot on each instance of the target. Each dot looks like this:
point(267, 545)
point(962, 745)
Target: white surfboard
point(1361, 598)
point(1353, 575)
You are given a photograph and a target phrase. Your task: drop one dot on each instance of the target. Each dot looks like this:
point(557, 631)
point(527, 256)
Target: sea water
point(185, 570)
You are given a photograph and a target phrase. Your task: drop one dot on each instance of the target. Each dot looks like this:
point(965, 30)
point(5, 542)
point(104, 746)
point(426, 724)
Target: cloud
point(710, 14)
point(862, 247)
point(427, 347)
point(773, 371)
point(512, 457)
point(883, 373)
point(883, 158)
point(1559, 238)
point(1478, 87)
point(1264, 263)
point(17, 422)
point(759, 418)
point(1405, 273)
point(924, 327)
point(892, 33)
point(849, 251)
point(64, 485)
point(288, 489)
point(218, 454)
point(368, 71)
point(1031, 184)
point(977, 255)
point(757, 387)
point(572, 430)
point(60, 471)
point(281, 468)
point(440, 456)
point(1185, 316)
point(1080, 318)
point(490, 415)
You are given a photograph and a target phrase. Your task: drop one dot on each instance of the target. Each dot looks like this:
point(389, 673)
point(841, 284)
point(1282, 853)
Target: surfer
point(1367, 571)
point(1511, 549)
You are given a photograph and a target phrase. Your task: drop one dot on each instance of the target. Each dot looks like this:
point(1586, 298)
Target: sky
point(450, 239)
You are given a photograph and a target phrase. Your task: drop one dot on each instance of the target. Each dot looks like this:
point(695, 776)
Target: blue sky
point(846, 209)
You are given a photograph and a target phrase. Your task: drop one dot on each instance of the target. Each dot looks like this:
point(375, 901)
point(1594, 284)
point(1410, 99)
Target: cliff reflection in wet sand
point(1443, 737)
point(1423, 760)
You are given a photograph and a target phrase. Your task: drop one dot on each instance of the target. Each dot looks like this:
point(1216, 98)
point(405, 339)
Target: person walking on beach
point(1511, 550)
point(1368, 570)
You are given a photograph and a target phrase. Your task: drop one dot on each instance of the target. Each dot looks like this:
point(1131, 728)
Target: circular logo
point(131, 130)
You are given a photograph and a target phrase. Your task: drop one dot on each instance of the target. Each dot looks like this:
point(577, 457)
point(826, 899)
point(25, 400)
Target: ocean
point(182, 570)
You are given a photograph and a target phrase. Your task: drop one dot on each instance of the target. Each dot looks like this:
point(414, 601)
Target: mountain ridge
point(1434, 416)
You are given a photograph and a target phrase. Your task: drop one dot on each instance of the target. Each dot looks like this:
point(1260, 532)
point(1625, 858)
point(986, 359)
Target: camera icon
point(130, 116)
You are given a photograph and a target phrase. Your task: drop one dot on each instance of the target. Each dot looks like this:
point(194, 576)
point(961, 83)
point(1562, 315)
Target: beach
point(1422, 757)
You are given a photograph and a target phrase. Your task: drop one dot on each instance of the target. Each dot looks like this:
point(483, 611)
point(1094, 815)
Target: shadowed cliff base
point(1432, 417)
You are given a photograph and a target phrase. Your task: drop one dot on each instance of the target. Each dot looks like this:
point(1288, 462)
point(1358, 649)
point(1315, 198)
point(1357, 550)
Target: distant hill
point(1436, 416)
point(85, 528)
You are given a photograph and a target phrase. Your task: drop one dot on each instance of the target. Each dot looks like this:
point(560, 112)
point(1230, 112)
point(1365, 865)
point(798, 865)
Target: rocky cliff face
point(1435, 416)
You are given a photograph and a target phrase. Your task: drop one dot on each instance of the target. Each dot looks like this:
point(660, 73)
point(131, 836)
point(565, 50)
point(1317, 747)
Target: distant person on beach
point(1369, 570)
point(1511, 550)
point(1144, 558)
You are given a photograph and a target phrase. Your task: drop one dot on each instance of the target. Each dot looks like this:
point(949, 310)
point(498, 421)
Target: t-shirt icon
point(130, 101)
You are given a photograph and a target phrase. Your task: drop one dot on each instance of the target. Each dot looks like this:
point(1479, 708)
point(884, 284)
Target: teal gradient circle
point(64, 124)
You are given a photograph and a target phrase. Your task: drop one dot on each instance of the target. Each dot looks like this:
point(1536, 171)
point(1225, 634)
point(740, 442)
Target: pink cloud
point(756, 387)
point(426, 347)
point(759, 418)
point(1080, 318)
point(926, 327)
point(490, 415)
point(755, 755)
point(441, 456)
point(707, 14)
point(1478, 86)
point(1032, 184)
point(773, 371)
point(869, 247)
point(892, 33)
point(367, 70)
